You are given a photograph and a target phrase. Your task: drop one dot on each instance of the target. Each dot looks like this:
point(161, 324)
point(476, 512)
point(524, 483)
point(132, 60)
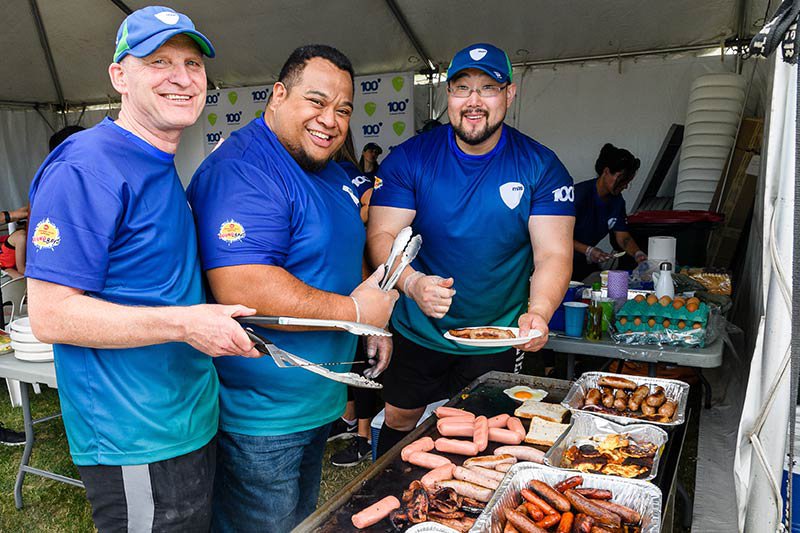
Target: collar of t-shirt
point(138, 141)
point(451, 140)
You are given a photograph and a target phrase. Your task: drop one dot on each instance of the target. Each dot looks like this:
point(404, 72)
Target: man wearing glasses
point(484, 197)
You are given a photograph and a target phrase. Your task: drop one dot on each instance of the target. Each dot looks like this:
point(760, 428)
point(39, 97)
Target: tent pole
point(124, 8)
point(51, 65)
point(401, 20)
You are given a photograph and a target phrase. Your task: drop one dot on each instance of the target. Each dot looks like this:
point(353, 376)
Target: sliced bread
point(544, 432)
point(533, 409)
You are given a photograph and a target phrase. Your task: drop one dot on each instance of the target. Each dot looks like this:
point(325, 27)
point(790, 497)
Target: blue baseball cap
point(145, 30)
point(482, 56)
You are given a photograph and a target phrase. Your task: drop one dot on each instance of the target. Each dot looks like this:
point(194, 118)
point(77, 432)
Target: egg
point(665, 301)
point(651, 322)
point(638, 298)
point(651, 299)
point(697, 325)
point(681, 324)
point(691, 307)
point(521, 393)
point(637, 321)
point(693, 300)
point(623, 320)
point(677, 303)
point(666, 323)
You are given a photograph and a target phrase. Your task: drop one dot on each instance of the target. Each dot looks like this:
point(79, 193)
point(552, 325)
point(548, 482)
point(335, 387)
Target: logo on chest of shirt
point(611, 222)
point(46, 235)
point(511, 193)
point(231, 231)
point(349, 191)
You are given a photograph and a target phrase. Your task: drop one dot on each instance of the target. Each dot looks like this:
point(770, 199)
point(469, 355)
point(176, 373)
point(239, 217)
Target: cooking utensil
point(356, 328)
point(399, 244)
point(284, 359)
point(618, 254)
point(409, 254)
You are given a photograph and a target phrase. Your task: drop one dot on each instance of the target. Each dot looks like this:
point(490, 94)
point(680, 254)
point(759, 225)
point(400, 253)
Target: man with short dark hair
point(280, 231)
point(115, 284)
point(490, 203)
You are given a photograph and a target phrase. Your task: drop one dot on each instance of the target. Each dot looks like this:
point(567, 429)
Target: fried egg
point(521, 393)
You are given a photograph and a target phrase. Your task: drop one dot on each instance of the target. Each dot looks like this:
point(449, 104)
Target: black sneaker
point(342, 430)
point(11, 438)
point(358, 449)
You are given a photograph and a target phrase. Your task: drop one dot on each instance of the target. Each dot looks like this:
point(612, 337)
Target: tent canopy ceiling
point(254, 37)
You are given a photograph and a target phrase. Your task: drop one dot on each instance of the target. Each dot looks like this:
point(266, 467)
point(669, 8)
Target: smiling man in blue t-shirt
point(490, 203)
point(280, 231)
point(115, 284)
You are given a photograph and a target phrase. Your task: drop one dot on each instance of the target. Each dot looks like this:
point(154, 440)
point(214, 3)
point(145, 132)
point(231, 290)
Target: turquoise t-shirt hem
point(271, 430)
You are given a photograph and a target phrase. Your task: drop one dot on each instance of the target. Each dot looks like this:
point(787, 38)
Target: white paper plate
point(22, 325)
point(18, 336)
point(492, 343)
point(42, 357)
point(31, 347)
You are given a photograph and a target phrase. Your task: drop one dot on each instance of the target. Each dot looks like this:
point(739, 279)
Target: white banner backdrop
point(384, 111)
point(227, 110)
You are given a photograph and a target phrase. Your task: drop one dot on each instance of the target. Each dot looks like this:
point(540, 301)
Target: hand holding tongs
point(409, 246)
point(284, 359)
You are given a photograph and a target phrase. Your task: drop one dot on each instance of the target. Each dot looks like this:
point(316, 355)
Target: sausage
point(462, 525)
point(522, 453)
point(505, 436)
point(549, 521)
point(515, 425)
point(443, 412)
point(668, 409)
point(592, 397)
point(582, 523)
point(460, 447)
point(533, 498)
point(616, 382)
point(375, 512)
point(427, 460)
point(569, 483)
point(441, 473)
point(638, 397)
point(503, 467)
point(465, 474)
point(591, 508)
point(491, 461)
point(480, 434)
point(510, 528)
point(595, 494)
point(621, 395)
point(533, 511)
point(522, 522)
point(658, 398)
point(628, 515)
point(470, 490)
point(608, 400)
point(565, 526)
point(463, 419)
point(488, 472)
point(499, 421)
point(648, 410)
point(598, 529)
point(620, 404)
point(425, 444)
point(455, 429)
point(550, 494)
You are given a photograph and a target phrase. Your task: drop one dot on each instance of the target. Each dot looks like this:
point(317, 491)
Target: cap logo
point(477, 53)
point(168, 17)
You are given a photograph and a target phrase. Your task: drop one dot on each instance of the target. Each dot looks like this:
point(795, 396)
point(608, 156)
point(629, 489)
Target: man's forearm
point(65, 316)
point(272, 290)
point(379, 247)
point(549, 284)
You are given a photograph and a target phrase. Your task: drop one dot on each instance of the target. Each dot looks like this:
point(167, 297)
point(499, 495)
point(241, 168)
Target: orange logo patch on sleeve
point(231, 231)
point(46, 235)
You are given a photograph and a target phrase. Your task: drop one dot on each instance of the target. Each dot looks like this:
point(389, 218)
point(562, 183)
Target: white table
point(28, 374)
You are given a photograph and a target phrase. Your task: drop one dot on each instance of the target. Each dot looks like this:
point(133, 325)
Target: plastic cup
point(574, 315)
point(608, 312)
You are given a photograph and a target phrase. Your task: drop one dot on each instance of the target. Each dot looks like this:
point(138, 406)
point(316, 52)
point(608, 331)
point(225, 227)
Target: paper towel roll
point(661, 248)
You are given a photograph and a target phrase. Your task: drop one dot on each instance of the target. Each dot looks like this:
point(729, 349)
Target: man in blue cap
point(115, 285)
point(490, 203)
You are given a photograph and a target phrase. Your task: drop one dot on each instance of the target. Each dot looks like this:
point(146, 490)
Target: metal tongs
point(284, 359)
point(409, 246)
point(356, 328)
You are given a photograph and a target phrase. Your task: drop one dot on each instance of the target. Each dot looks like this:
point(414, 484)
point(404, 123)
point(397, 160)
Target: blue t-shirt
point(109, 216)
point(362, 181)
point(253, 204)
point(596, 217)
point(472, 213)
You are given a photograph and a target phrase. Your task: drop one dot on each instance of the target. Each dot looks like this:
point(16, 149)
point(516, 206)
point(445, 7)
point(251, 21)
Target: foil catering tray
point(586, 425)
point(642, 496)
point(674, 389)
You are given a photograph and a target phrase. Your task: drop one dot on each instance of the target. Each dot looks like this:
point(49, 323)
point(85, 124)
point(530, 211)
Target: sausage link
point(550, 494)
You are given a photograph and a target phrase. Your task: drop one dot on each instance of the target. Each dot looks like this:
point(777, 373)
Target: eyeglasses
point(487, 91)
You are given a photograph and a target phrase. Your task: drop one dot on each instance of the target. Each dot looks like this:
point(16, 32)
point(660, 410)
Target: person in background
point(114, 283)
point(362, 404)
point(490, 204)
point(600, 210)
point(12, 246)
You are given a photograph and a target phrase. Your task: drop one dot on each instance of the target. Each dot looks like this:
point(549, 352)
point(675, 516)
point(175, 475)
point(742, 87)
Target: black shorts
point(169, 495)
point(418, 376)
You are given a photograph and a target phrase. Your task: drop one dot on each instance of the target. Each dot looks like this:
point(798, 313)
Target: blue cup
point(574, 315)
point(557, 322)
